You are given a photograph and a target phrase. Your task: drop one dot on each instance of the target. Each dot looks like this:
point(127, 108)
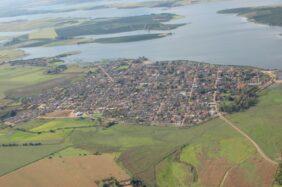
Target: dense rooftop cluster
point(168, 92)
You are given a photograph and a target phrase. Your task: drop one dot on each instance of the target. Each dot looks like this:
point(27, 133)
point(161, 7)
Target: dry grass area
point(59, 114)
point(48, 33)
point(212, 171)
point(253, 172)
point(67, 171)
point(10, 54)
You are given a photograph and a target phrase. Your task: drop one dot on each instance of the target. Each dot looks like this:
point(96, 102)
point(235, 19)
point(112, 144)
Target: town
point(179, 93)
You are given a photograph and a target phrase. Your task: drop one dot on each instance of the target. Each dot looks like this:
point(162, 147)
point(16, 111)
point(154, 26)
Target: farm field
point(269, 15)
point(61, 124)
point(55, 32)
point(118, 25)
point(84, 171)
point(16, 77)
point(263, 122)
point(20, 137)
point(211, 154)
point(13, 158)
point(132, 38)
point(71, 152)
point(10, 54)
point(27, 25)
point(48, 33)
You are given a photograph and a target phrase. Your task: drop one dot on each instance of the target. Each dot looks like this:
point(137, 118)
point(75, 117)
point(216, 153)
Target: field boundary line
point(41, 158)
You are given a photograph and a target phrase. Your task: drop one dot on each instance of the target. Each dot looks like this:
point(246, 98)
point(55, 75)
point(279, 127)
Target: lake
point(208, 36)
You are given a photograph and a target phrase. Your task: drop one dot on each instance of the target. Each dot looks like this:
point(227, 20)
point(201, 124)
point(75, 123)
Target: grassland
point(71, 152)
point(208, 155)
point(72, 41)
point(43, 130)
point(48, 33)
point(264, 15)
point(28, 80)
point(118, 25)
point(222, 151)
point(54, 32)
point(10, 54)
point(173, 173)
point(20, 137)
point(263, 122)
point(212, 154)
point(131, 38)
point(12, 77)
point(13, 158)
point(27, 25)
point(66, 171)
point(146, 152)
point(50, 125)
point(151, 4)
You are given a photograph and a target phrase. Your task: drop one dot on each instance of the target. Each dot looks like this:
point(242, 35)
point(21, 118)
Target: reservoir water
point(208, 36)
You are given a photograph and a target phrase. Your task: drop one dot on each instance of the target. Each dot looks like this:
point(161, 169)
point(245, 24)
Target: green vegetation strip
point(263, 122)
point(264, 15)
point(132, 38)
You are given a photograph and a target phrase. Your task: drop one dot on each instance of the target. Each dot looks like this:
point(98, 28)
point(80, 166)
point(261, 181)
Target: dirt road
point(259, 150)
point(221, 116)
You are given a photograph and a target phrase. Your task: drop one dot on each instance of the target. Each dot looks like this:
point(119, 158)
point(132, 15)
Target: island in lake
point(271, 15)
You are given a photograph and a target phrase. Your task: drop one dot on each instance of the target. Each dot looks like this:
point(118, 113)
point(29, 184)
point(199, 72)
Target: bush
point(278, 177)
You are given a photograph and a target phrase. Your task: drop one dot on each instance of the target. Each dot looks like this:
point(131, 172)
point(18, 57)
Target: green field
point(13, 158)
point(48, 33)
point(163, 156)
point(27, 25)
point(17, 136)
point(69, 34)
point(10, 54)
point(71, 152)
point(173, 173)
point(271, 15)
point(12, 77)
point(219, 142)
point(144, 148)
point(62, 124)
point(131, 38)
point(264, 122)
point(118, 25)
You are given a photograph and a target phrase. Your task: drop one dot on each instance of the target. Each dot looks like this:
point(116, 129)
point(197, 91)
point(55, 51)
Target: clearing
point(67, 171)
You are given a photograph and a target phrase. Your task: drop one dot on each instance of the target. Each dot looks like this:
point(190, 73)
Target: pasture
point(211, 154)
point(84, 171)
point(10, 54)
point(12, 77)
point(47, 33)
point(65, 123)
point(13, 158)
point(263, 122)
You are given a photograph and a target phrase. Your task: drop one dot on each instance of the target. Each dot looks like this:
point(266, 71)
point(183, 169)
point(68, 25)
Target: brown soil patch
point(60, 114)
point(236, 178)
point(212, 171)
point(65, 172)
point(264, 174)
point(265, 170)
